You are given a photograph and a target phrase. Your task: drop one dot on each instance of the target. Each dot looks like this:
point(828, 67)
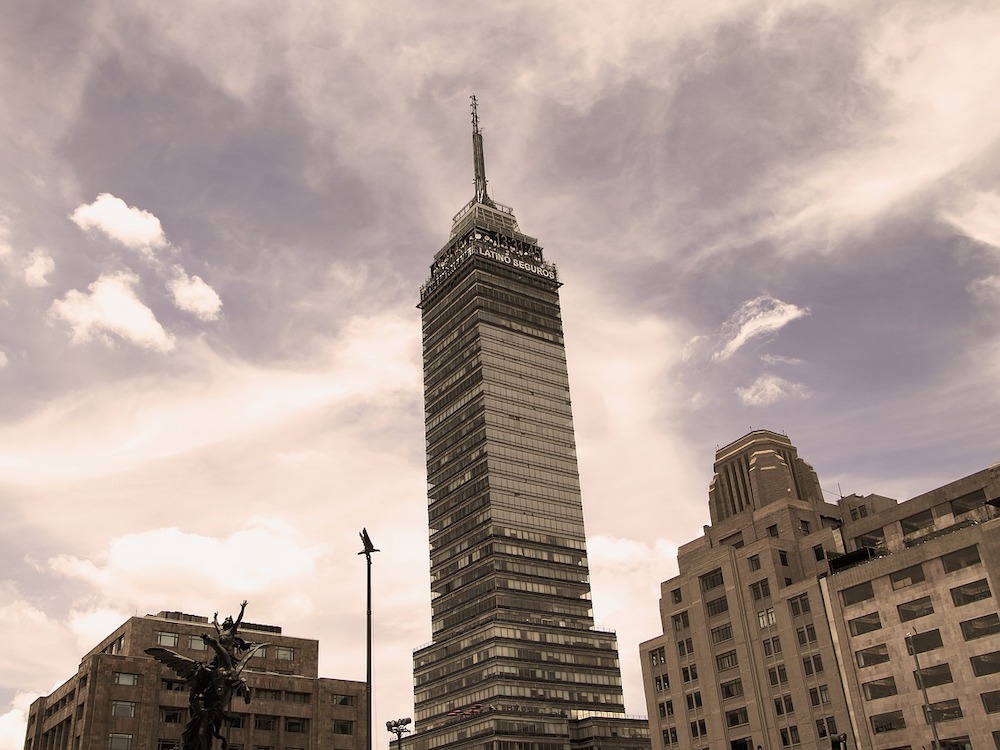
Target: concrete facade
point(770, 637)
point(122, 699)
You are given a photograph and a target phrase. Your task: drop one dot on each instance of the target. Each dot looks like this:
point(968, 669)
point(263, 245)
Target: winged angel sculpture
point(212, 686)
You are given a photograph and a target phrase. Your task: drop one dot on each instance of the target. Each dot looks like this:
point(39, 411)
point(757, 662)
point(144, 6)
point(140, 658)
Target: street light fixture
point(910, 635)
point(398, 727)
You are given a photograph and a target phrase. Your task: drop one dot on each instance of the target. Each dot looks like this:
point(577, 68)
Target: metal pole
point(367, 552)
point(920, 678)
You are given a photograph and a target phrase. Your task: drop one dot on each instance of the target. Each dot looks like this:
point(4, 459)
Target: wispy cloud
point(767, 389)
point(979, 218)
point(756, 318)
point(112, 311)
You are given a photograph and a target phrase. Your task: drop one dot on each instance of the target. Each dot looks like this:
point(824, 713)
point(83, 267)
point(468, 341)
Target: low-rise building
point(122, 699)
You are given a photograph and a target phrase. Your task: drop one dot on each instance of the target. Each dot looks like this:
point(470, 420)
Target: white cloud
point(191, 294)
point(979, 218)
point(770, 388)
point(112, 307)
point(131, 226)
point(38, 266)
point(756, 318)
point(264, 555)
point(13, 723)
point(3, 359)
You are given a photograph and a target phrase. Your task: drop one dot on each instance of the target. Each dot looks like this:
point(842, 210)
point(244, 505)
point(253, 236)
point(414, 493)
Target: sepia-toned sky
point(215, 219)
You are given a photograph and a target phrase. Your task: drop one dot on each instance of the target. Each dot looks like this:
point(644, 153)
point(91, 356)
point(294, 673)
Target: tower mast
point(479, 162)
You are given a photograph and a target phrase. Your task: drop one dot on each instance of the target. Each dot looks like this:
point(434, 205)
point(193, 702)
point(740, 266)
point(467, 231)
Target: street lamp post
point(367, 552)
point(910, 635)
point(398, 727)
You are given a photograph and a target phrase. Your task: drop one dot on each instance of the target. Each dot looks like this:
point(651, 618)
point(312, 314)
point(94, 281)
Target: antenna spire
point(479, 163)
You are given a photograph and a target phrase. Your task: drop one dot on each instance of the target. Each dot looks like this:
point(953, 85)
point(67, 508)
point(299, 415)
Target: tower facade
point(515, 657)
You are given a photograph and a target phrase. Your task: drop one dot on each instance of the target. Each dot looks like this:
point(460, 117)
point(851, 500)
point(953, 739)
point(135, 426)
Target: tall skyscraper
point(515, 657)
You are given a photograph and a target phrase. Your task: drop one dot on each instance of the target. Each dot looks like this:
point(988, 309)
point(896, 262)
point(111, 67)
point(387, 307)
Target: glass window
point(856, 594)
point(731, 689)
point(986, 663)
point(658, 656)
point(295, 725)
point(343, 727)
point(197, 643)
point(296, 697)
point(693, 700)
point(869, 657)
point(917, 608)
point(948, 710)
point(737, 717)
point(922, 520)
point(681, 621)
point(960, 558)
point(880, 688)
point(125, 678)
point(819, 553)
point(991, 701)
point(711, 580)
point(888, 722)
point(981, 626)
point(760, 590)
point(927, 641)
point(265, 723)
point(970, 592)
point(865, 623)
point(765, 617)
point(907, 576)
point(873, 539)
point(722, 633)
point(167, 639)
point(171, 715)
point(284, 653)
point(689, 673)
point(939, 674)
point(804, 526)
point(348, 700)
point(968, 502)
point(777, 675)
point(799, 605)
point(675, 596)
point(783, 557)
point(124, 709)
point(118, 741)
point(727, 660)
point(772, 530)
point(754, 561)
point(717, 606)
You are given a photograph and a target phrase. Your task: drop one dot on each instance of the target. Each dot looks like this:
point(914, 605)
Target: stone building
point(793, 621)
point(122, 699)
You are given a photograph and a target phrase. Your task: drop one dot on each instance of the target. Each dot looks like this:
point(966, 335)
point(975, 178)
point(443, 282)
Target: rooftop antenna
point(477, 155)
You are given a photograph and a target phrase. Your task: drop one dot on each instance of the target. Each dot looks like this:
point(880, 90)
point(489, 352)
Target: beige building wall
point(757, 650)
point(122, 699)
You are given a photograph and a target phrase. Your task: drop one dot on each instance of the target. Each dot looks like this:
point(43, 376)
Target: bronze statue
point(212, 686)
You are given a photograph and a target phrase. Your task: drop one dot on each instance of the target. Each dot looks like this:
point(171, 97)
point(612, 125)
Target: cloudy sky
point(215, 218)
